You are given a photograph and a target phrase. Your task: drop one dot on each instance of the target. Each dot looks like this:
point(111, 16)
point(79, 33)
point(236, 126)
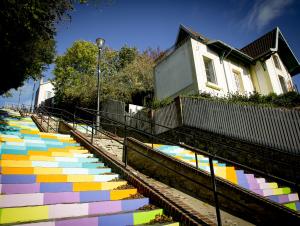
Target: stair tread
point(136, 217)
point(47, 198)
point(44, 212)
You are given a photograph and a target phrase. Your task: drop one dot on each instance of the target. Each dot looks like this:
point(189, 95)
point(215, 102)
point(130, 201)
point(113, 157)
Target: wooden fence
point(275, 128)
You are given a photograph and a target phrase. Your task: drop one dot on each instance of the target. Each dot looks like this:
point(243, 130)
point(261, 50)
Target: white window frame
point(210, 76)
point(283, 84)
point(238, 75)
point(276, 62)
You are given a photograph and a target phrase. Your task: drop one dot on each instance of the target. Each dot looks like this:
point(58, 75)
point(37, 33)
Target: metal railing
point(90, 126)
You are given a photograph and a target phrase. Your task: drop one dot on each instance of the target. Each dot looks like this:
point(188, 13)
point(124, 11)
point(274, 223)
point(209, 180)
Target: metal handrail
point(193, 148)
point(186, 134)
point(205, 152)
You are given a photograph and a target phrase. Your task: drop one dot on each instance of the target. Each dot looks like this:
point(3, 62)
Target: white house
point(197, 64)
point(44, 92)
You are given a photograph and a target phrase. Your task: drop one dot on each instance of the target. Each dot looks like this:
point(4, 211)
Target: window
point(276, 62)
point(209, 70)
point(48, 94)
point(282, 83)
point(238, 82)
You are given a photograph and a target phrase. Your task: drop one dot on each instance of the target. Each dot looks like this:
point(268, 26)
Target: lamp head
point(100, 42)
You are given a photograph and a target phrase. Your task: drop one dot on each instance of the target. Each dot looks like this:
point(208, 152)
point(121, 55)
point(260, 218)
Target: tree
point(75, 73)
point(123, 73)
point(136, 77)
point(27, 43)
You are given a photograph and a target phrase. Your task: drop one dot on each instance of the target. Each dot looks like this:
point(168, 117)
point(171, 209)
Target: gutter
point(250, 59)
point(222, 61)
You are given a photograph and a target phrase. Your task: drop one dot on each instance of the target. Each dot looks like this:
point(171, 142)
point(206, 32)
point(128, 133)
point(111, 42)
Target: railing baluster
point(213, 179)
point(196, 158)
point(48, 123)
point(125, 142)
point(92, 136)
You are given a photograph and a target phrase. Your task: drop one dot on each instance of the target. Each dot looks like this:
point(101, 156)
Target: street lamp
point(100, 43)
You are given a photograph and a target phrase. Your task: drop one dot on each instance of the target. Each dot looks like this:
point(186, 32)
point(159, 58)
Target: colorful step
point(270, 190)
point(47, 179)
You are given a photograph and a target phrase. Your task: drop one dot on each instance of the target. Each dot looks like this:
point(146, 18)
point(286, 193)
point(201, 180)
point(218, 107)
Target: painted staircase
point(261, 186)
point(48, 179)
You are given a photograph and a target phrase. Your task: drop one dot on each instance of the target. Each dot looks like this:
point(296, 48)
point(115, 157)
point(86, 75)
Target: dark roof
point(185, 32)
point(259, 49)
point(270, 43)
point(217, 45)
point(262, 45)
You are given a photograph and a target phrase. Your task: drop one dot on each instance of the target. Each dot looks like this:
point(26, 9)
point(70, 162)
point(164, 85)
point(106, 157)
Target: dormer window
point(276, 62)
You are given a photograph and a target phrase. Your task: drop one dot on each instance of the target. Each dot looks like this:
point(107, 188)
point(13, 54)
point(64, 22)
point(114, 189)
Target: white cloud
point(264, 11)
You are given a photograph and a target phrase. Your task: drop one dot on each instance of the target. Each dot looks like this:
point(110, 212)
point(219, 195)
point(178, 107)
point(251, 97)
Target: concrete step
point(115, 219)
point(29, 179)
point(37, 199)
point(284, 198)
point(27, 163)
point(52, 170)
point(47, 212)
point(59, 187)
point(48, 158)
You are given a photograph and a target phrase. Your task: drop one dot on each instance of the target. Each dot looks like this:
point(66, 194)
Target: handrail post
point(92, 136)
point(48, 123)
point(152, 134)
point(125, 142)
point(196, 159)
point(74, 115)
point(213, 179)
point(152, 125)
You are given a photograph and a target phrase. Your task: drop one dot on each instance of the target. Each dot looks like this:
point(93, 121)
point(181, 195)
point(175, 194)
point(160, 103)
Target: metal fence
point(269, 127)
point(275, 128)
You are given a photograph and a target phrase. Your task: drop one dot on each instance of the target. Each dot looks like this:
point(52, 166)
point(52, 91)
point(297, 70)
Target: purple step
point(20, 188)
point(117, 206)
point(242, 179)
point(252, 182)
point(284, 198)
point(29, 199)
point(118, 220)
point(94, 196)
point(62, 197)
point(56, 187)
point(17, 179)
point(90, 221)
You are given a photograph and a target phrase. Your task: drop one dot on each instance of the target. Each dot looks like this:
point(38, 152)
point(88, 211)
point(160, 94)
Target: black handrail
point(205, 152)
point(186, 134)
point(196, 150)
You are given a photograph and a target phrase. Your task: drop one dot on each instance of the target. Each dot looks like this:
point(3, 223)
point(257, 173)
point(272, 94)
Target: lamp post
point(100, 43)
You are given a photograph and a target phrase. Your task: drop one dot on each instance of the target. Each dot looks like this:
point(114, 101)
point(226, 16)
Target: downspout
point(223, 56)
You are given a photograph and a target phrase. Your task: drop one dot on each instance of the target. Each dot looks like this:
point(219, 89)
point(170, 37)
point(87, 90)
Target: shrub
point(286, 100)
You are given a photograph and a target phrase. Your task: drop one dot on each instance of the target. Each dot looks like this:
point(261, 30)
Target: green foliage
point(126, 56)
point(156, 104)
point(286, 100)
point(123, 73)
point(27, 38)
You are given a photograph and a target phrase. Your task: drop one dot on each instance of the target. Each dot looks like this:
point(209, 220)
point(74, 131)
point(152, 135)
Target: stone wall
point(261, 158)
point(197, 183)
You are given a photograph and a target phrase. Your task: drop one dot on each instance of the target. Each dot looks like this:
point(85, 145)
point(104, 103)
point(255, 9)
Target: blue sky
point(155, 24)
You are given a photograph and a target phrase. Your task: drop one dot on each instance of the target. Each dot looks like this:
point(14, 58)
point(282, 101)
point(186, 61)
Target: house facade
point(197, 64)
point(44, 92)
